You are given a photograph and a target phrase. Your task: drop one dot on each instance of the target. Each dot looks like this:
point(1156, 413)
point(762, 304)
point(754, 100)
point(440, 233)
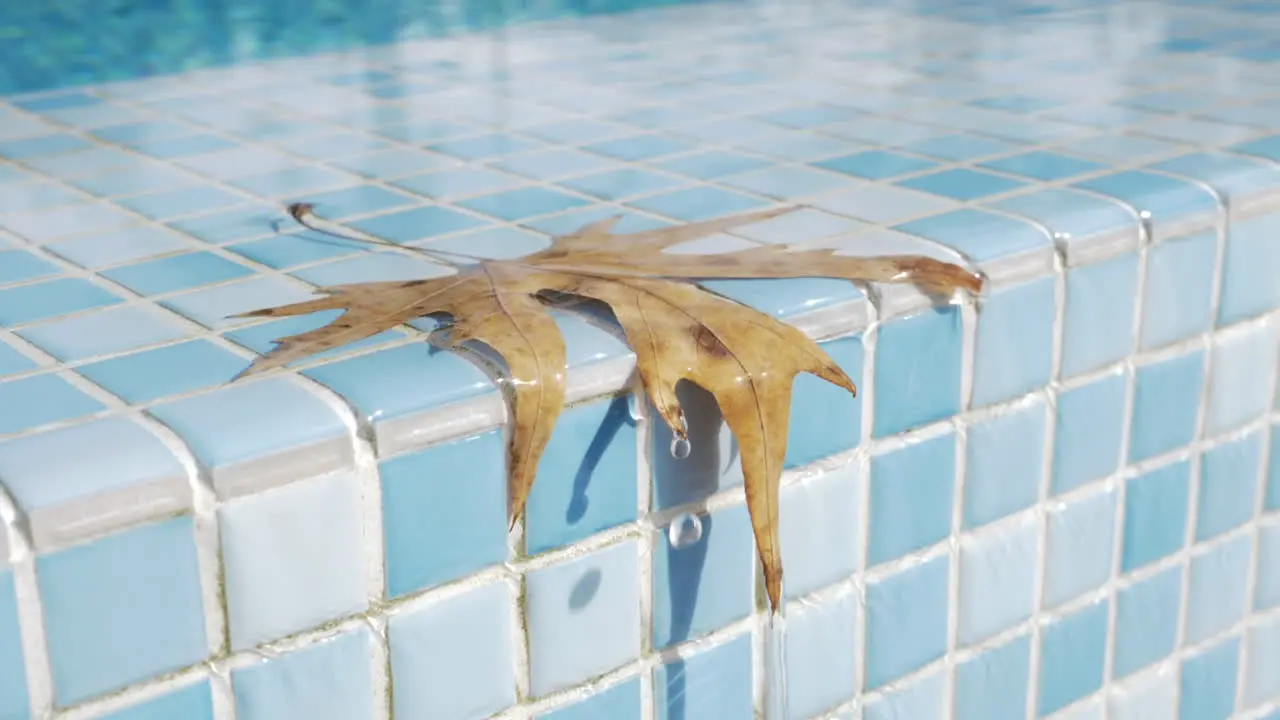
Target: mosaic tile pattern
point(1056, 500)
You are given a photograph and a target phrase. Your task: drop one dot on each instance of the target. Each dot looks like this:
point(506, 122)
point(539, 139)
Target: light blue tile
point(640, 147)
point(481, 147)
point(194, 702)
point(1249, 266)
point(997, 580)
point(622, 183)
point(293, 558)
point(826, 419)
point(917, 372)
point(51, 298)
point(1155, 511)
point(13, 691)
point(214, 306)
point(993, 685)
point(1229, 476)
point(821, 645)
point(12, 361)
point(21, 266)
point(620, 702)
point(1164, 197)
point(981, 236)
point(1004, 464)
point(1080, 546)
point(452, 659)
point(104, 332)
point(583, 617)
point(1166, 402)
point(1098, 328)
point(962, 184)
point(329, 680)
point(961, 147)
point(564, 223)
point(1090, 423)
point(1262, 674)
point(122, 609)
point(1208, 682)
point(1216, 595)
point(1234, 176)
point(809, 116)
point(185, 201)
point(1072, 654)
point(924, 698)
point(294, 181)
point(707, 584)
point(40, 400)
point(876, 164)
point(56, 223)
point(1153, 695)
point(500, 243)
point(796, 146)
point(1271, 497)
point(285, 251)
point(147, 130)
point(906, 621)
point(1014, 342)
point(408, 226)
point(1070, 214)
point(819, 529)
point(698, 203)
point(911, 492)
point(1178, 292)
point(785, 182)
point(34, 147)
point(251, 420)
point(577, 130)
point(713, 682)
point(1046, 166)
point(120, 246)
point(170, 370)
point(1265, 147)
point(522, 203)
point(1147, 614)
point(1267, 592)
point(423, 505)
point(359, 200)
point(237, 224)
point(1241, 363)
point(370, 267)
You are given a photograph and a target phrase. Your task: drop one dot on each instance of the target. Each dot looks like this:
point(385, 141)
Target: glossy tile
point(1262, 663)
point(14, 701)
point(621, 701)
point(1216, 594)
point(1229, 476)
point(194, 701)
point(997, 579)
point(327, 680)
point(1248, 261)
point(820, 530)
point(1166, 403)
point(1004, 464)
point(1079, 545)
point(1072, 656)
point(911, 497)
point(1098, 325)
point(1013, 352)
point(1241, 363)
point(923, 698)
point(703, 584)
point(1147, 614)
point(1155, 508)
point(821, 653)
point(1178, 291)
point(42, 400)
point(993, 685)
point(917, 370)
point(1208, 682)
point(1267, 592)
point(906, 621)
point(712, 682)
point(1088, 432)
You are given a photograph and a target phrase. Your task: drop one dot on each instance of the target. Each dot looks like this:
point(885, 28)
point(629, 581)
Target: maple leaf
point(678, 331)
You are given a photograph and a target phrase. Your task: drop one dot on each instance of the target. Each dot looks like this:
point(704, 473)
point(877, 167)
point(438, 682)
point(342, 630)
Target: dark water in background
point(47, 44)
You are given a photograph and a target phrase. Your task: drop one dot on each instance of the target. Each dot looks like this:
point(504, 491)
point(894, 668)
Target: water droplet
point(680, 447)
point(685, 530)
point(633, 406)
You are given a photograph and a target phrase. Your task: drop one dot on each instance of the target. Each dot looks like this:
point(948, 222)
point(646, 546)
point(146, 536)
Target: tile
point(382, 164)
point(884, 204)
point(370, 267)
point(785, 182)
point(482, 147)
point(980, 236)
point(1004, 464)
point(417, 224)
point(622, 184)
point(359, 200)
point(906, 621)
point(917, 372)
point(1216, 595)
point(809, 116)
point(713, 463)
point(711, 164)
point(925, 698)
point(36, 196)
point(557, 163)
point(697, 203)
point(1241, 363)
point(195, 701)
point(640, 147)
point(1235, 177)
point(1098, 326)
point(1147, 614)
point(1155, 505)
point(282, 252)
point(21, 265)
point(583, 617)
point(1207, 683)
point(1152, 695)
point(40, 226)
point(177, 272)
point(1229, 476)
point(1042, 165)
point(35, 147)
point(820, 530)
point(619, 702)
point(993, 685)
point(821, 645)
point(1267, 592)
point(294, 181)
point(104, 332)
point(567, 222)
point(185, 201)
point(1249, 262)
point(515, 205)
point(12, 361)
point(796, 146)
point(452, 659)
point(1262, 663)
point(328, 680)
point(962, 184)
point(424, 506)
point(293, 558)
point(41, 400)
point(120, 246)
point(706, 583)
point(1178, 291)
point(458, 182)
point(715, 681)
point(960, 147)
point(499, 243)
point(1166, 403)
point(142, 177)
point(1072, 654)
point(241, 162)
point(238, 223)
point(51, 298)
point(1079, 545)
point(1013, 352)
point(1265, 147)
point(13, 693)
point(997, 579)
point(1090, 423)
point(876, 164)
point(911, 497)
point(215, 306)
point(122, 609)
point(1162, 197)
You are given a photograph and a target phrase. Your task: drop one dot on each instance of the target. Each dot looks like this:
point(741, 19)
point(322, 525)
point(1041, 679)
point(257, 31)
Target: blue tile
point(235, 224)
point(1208, 682)
point(452, 659)
point(640, 147)
point(42, 146)
point(961, 147)
point(1079, 546)
point(1265, 147)
point(922, 698)
point(482, 147)
point(151, 374)
point(122, 609)
point(1267, 592)
point(911, 492)
point(499, 243)
point(785, 182)
point(457, 182)
point(1004, 464)
point(358, 200)
point(993, 685)
point(713, 682)
point(819, 530)
point(55, 223)
point(178, 147)
point(583, 617)
point(917, 373)
point(809, 116)
point(704, 585)
point(20, 265)
point(697, 203)
point(619, 702)
point(423, 506)
point(558, 163)
point(997, 580)
point(1147, 614)
point(49, 299)
point(962, 184)
point(1046, 166)
point(12, 361)
point(1217, 595)
point(1014, 342)
point(1070, 214)
point(711, 164)
point(825, 419)
point(370, 267)
point(185, 201)
point(13, 692)
point(293, 559)
point(576, 130)
point(1164, 197)
point(819, 655)
point(147, 130)
point(216, 306)
point(1241, 363)
point(1233, 176)
point(40, 400)
point(60, 101)
point(293, 181)
point(876, 164)
point(1017, 103)
point(1098, 327)
point(1262, 664)
point(285, 251)
point(796, 146)
point(104, 332)
point(980, 236)
point(330, 680)
point(1177, 298)
point(906, 621)
point(417, 224)
point(193, 702)
point(1249, 266)
point(1229, 476)
point(36, 196)
point(514, 205)
point(178, 272)
point(623, 183)
point(713, 463)
point(1072, 654)
point(1090, 424)
point(121, 246)
point(1155, 511)
point(564, 223)
point(1166, 402)
point(250, 420)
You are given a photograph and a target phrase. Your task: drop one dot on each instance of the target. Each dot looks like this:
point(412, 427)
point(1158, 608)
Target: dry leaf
point(679, 331)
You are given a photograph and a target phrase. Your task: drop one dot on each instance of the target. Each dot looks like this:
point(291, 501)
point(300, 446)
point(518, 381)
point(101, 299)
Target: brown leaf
point(746, 359)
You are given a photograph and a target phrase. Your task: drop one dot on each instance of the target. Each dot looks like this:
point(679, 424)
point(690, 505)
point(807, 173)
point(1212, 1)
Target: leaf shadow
point(684, 581)
point(615, 417)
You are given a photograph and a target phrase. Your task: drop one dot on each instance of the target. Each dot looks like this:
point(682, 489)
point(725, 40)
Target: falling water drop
point(685, 530)
point(633, 407)
point(680, 447)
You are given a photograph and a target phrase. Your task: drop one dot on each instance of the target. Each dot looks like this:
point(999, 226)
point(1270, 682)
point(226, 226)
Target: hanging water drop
point(680, 447)
point(685, 530)
point(633, 407)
